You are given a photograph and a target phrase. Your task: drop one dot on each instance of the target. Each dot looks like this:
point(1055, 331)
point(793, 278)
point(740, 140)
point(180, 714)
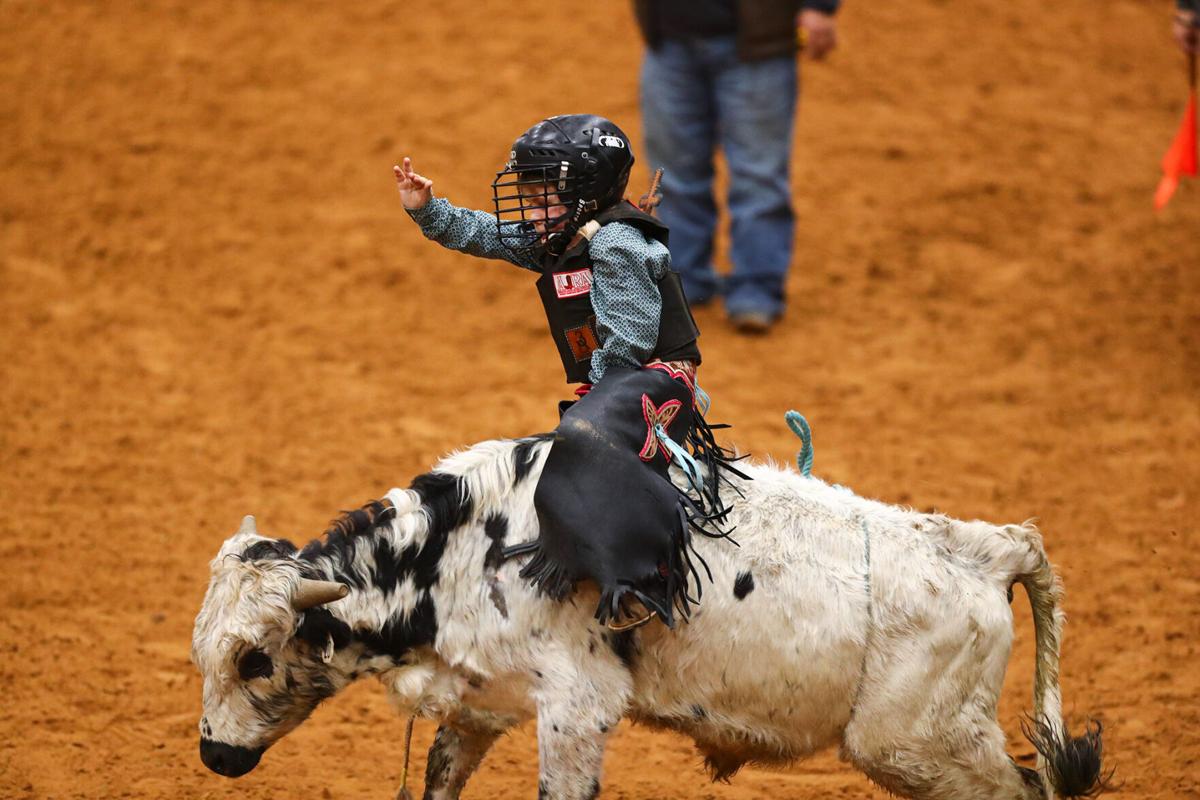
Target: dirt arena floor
point(212, 305)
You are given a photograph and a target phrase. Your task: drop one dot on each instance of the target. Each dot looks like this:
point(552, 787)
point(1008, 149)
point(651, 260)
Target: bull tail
point(1069, 766)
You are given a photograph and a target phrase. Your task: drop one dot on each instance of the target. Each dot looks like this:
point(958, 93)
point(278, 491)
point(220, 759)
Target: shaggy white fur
point(835, 620)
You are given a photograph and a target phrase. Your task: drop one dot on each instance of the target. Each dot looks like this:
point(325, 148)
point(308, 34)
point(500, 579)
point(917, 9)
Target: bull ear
point(248, 526)
point(310, 593)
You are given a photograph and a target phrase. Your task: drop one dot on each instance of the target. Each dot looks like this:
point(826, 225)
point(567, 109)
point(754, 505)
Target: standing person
point(1187, 26)
point(723, 72)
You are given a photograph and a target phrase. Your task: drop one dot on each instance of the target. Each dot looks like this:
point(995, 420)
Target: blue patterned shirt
point(626, 268)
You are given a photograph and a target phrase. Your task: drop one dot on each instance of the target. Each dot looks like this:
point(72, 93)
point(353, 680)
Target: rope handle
point(652, 198)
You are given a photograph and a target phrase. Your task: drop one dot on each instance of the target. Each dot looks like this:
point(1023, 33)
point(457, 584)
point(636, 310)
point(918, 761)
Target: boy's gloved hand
point(415, 190)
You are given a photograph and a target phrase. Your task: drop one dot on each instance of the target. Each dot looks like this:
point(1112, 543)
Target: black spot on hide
point(386, 572)
point(269, 550)
point(448, 506)
point(341, 540)
point(426, 563)
point(445, 500)
point(312, 550)
point(625, 646)
point(402, 634)
point(496, 528)
point(543, 792)
point(698, 712)
point(743, 586)
point(595, 790)
point(363, 520)
point(318, 626)
point(524, 455)
point(340, 551)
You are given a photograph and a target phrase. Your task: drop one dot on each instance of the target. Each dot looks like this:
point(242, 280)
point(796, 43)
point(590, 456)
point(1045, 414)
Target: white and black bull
point(832, 620)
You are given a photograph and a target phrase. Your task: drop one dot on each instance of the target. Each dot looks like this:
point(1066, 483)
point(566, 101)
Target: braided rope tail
point(799, 426)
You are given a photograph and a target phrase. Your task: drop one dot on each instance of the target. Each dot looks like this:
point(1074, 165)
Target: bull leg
point(453, 757)
point(967, 760)
point(575, 718)
point(570, 755)
point(925, 727)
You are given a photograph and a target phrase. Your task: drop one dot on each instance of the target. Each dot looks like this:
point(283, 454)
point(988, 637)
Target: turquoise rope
point(682, 457)
point(703, 401)
point(799, 426)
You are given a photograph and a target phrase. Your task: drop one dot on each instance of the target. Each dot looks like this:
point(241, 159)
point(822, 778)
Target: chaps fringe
point(700, 510)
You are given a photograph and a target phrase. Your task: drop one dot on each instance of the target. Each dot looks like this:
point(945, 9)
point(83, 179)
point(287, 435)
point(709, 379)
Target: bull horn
point(248, 526)
point(312, 593)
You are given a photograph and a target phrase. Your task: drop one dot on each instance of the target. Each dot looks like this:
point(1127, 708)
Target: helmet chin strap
point(557, 242)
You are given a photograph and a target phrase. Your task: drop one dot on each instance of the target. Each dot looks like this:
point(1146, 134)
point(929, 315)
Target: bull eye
point(255, 664)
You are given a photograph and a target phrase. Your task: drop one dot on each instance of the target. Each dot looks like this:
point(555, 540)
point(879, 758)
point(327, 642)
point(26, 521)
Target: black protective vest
point(565, 287)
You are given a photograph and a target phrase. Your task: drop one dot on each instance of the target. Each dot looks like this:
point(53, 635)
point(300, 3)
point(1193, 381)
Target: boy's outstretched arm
point(472, 232)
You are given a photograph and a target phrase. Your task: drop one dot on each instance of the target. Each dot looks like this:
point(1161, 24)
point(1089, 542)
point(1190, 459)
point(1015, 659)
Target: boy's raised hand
point(415, 190)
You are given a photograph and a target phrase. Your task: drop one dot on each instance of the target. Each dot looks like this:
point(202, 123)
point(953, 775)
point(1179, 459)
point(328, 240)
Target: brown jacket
point(765, 28)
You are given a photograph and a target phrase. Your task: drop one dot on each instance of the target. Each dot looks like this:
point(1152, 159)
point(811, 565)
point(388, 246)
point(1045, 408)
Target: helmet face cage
point(549, 188)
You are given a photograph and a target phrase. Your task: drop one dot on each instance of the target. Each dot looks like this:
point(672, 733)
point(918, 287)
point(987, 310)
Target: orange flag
point(1181, 158)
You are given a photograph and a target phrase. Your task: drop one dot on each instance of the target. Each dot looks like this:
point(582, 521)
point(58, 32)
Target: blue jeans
point(697, 95)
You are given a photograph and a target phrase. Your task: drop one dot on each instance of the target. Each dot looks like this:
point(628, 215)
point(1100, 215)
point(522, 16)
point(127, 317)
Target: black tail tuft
point(1072, 764)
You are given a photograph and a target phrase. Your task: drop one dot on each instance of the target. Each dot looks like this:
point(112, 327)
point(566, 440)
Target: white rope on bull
point(804, 463)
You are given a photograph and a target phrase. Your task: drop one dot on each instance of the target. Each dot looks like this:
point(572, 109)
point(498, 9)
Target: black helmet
point(582, 159)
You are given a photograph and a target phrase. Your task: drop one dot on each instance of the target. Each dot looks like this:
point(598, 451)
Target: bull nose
point(228, 760)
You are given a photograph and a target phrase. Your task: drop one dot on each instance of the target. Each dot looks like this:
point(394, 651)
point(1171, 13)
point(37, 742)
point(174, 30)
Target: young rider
point(617, 313)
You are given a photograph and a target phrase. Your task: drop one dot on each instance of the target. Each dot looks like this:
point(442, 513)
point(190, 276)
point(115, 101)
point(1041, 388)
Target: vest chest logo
point(583, 340)
point(572, 284)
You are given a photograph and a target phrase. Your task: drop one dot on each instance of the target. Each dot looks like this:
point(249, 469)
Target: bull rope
point(862, 672)
point(804, 463)
point(404, 793)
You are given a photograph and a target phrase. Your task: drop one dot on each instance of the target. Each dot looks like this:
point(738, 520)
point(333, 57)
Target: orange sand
point(212, 305)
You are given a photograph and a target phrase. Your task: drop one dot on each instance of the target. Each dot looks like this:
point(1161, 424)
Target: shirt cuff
point(428, 213)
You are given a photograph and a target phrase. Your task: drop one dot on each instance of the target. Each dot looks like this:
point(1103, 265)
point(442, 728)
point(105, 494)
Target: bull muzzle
point(227, 759)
